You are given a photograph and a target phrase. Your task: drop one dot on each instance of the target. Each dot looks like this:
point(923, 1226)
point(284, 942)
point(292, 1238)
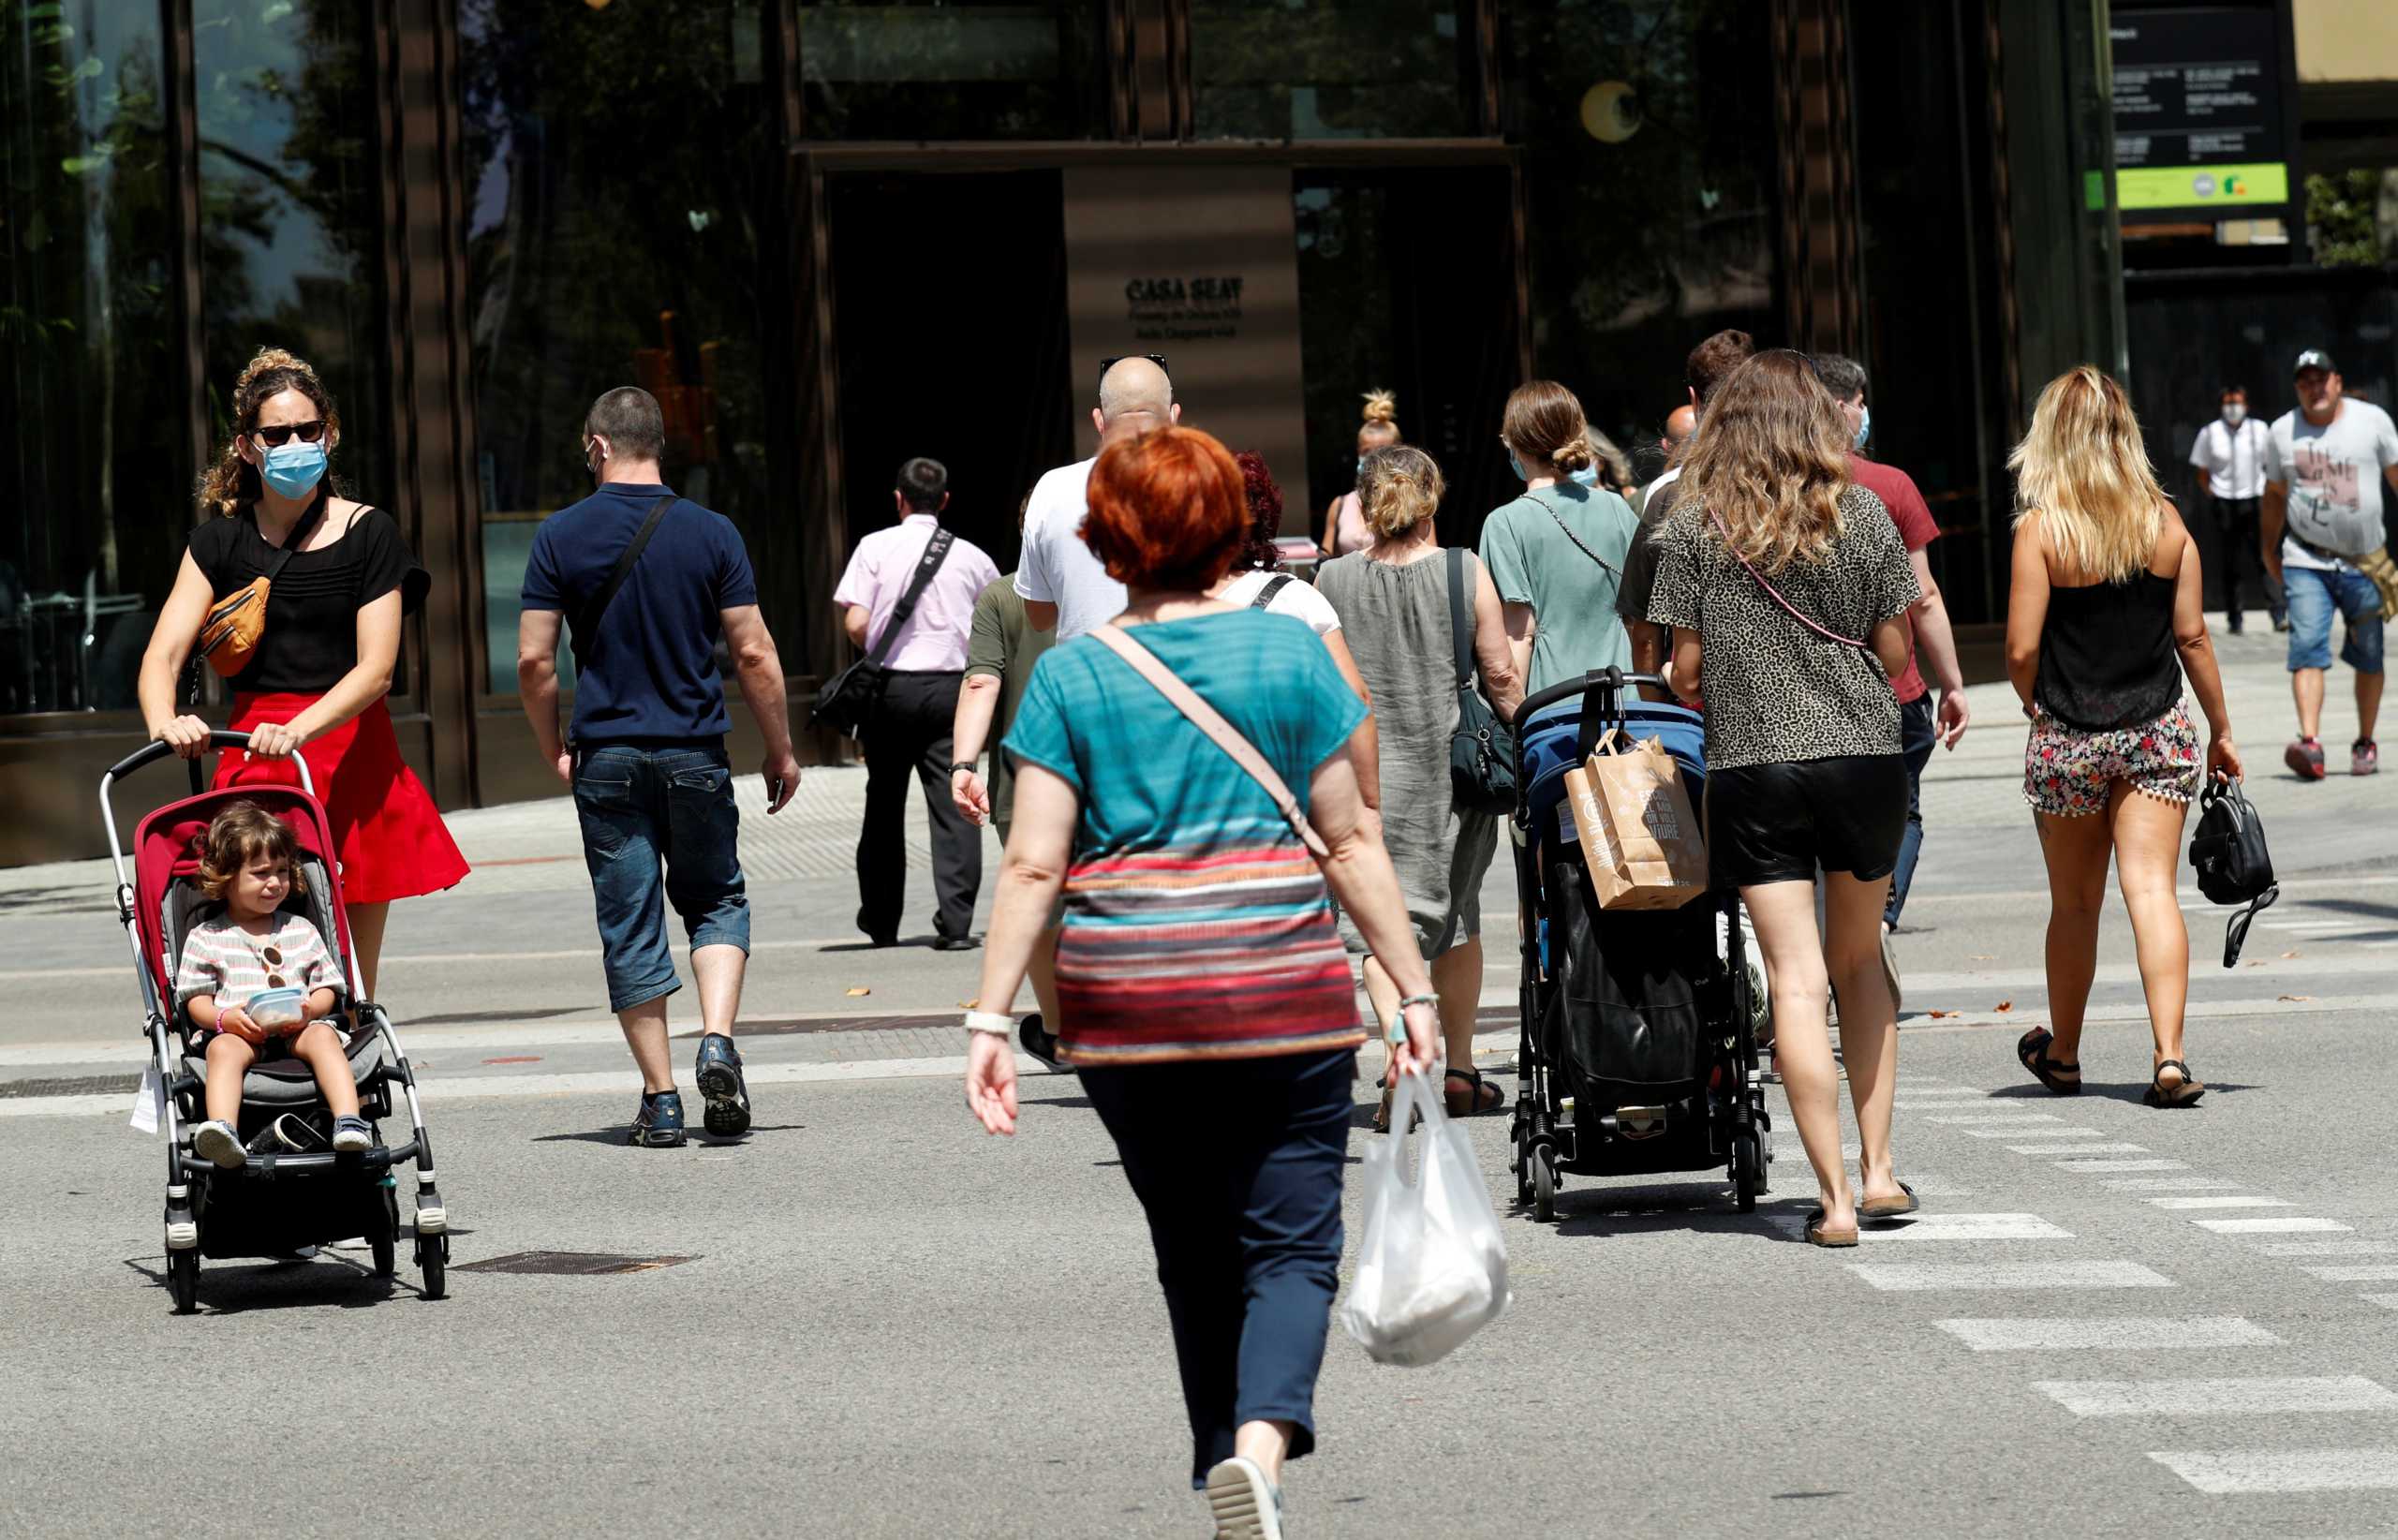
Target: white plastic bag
point(1432, 1270)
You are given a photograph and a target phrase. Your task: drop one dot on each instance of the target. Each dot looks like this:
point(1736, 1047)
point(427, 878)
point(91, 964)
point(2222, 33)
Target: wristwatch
point(966, 765)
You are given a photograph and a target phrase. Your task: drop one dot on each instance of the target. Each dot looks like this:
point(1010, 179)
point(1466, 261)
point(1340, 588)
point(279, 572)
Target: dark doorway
point(949, 306)
point(1406, 284)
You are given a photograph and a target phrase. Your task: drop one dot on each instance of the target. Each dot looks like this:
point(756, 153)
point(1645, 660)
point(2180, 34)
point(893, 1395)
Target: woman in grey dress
point(1393, 599)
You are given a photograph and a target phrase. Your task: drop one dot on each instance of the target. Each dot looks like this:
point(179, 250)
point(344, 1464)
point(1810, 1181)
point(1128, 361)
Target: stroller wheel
point(1544, 1185)
point(1748, 1169)
point(386, 1241)
point(433, 1258)
point(182, 1280)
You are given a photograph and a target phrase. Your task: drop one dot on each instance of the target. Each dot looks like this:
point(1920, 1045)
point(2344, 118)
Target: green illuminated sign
point(2201, 187)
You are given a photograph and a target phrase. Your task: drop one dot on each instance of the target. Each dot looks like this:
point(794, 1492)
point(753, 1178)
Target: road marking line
point(2079, 1149)
point(2122, 1166)
point(2223, 1472)
point(2009, 1132)
point(1970, 1119)
point(2387, 1301)
point(1912, 1277)
point(2166, 1184)
point(1951, 1227)
point(2378, 1272)
point(2215, 1398)
point(2140, 1333)
point(2329, 1247)
point(2225, 1202)
point(1944, 1104)
point(2268, 1226)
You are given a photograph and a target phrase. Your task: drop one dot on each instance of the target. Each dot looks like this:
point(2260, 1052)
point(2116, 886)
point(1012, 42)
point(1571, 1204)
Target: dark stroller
point(1638, 1050)
point(279, 1201)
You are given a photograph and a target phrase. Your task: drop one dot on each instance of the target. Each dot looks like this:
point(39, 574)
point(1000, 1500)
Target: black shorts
point(1779, 822)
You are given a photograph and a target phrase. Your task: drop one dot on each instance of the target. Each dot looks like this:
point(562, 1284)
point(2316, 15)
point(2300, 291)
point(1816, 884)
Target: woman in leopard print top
point(1784, 583)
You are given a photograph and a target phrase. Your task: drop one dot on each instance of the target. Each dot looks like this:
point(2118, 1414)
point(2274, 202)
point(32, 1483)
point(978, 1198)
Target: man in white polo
point(1065, 588)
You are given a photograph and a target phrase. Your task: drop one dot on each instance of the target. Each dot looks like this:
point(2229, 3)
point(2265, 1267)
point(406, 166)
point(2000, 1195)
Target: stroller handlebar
point(1570, 690)
point(219, 738)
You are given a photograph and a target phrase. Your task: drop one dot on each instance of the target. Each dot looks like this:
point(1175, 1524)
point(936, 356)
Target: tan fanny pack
point(229, 637)
point(2377, 565)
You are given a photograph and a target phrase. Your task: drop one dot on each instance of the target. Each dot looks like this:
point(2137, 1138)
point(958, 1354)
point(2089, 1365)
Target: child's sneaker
point(1244, 1504)
point(2306, 757)
point(659, 1122)
point(717, 1070)
point(2365, 757)
point(215, 1140)
point(352, 1134)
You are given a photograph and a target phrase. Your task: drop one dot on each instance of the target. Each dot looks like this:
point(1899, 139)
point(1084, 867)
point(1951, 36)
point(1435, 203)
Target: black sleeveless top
point(2107, 655)
point(312, 608)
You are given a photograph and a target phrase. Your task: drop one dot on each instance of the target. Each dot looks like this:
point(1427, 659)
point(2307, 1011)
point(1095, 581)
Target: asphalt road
point(2109, 1321)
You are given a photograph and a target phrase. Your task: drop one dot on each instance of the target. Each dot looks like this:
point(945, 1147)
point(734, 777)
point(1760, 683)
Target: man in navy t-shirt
point(645, 755)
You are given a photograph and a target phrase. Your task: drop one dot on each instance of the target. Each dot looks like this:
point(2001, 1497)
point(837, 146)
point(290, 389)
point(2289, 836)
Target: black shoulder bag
point(1270, 590)
point(586, 621)
point(1482, 751)
point(2233, 865)
point(848, 697)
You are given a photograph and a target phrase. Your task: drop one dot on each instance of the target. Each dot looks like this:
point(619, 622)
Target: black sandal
point(2186, 1094)
point(1476, 1106)
point(2032, 1049)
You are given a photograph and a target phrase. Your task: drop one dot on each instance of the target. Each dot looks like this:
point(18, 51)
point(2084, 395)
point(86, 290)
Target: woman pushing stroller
point(240, 971)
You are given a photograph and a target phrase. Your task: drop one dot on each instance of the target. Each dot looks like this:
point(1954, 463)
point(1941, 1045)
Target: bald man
point(1679, 424)
point(1064, 587)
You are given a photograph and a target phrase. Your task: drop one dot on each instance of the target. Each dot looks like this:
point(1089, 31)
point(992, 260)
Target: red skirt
point(390, 836)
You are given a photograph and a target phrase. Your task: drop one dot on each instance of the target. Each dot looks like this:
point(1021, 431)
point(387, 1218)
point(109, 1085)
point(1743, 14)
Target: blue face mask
point(1864, 425)
point(1587, 476)
point(294, 469)
point(1517, 466)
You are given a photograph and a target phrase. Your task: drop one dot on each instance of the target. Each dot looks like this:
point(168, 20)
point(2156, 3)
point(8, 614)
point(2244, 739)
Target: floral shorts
point(2068, 772)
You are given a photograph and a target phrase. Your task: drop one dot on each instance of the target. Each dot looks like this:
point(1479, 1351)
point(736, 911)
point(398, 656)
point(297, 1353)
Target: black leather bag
point(848, 698)
point(2233, 865)
point(1482, 751)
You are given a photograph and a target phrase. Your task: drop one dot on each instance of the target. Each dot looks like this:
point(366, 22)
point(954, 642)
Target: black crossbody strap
point(291, 542)
point(1576, 538)
point(936, 552)
point(1461, 618)
point(587, 620)
point(1267, 592)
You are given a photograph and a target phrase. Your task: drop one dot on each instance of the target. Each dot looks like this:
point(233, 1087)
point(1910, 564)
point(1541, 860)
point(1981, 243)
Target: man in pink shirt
point(924, 661)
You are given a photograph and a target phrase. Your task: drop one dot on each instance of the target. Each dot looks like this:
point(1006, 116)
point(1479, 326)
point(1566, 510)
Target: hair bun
point(1572, 455)
point(1381, 407)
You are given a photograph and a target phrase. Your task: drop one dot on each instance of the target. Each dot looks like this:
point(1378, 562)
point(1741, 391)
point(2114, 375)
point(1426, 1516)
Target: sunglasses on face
point(275, 437)
point(1157, 359)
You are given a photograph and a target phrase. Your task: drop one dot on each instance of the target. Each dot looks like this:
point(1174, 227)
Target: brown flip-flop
point(1890, 1209)
point(1818, 1236)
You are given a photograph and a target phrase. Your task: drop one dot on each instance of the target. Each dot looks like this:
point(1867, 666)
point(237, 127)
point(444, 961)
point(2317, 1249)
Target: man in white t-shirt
point(1065, 588)
point(2322, 519)
point(2229, 457)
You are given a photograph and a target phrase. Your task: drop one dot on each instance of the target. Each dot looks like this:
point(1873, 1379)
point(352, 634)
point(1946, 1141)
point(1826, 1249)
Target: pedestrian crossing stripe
point(2222, 1472)
point(2079, 1149)
point(2166, 1184)
point(2013, 1131)
point(2378, 1272)
point(1912, 1277)
point(1951, 1227)
point(2276, 1225)
point(2245, 1396)
point(1968, 1121)
point(2225, 1200)
point(2118, 1165)
point(2329, 1247)
point(2137, 1333)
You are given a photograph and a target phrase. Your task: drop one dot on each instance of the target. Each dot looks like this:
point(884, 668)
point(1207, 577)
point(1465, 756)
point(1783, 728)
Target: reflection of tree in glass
point(616, 183)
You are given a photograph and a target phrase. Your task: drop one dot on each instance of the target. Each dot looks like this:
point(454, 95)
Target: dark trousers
point(1238, 1163)
point(1916, 741)
point(2235, 524)
point(910, 730)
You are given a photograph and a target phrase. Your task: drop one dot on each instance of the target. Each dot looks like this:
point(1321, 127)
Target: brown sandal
point(1818, 1236)
point(1890, 1209)
point(2185, 1094)
point(1477, 1106)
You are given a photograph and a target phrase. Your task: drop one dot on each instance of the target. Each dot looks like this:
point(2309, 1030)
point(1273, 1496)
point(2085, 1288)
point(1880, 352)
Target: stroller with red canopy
point(281, 1201)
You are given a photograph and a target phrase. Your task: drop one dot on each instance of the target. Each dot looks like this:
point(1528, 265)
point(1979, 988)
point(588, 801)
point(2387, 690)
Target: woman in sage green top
point(1557, 551)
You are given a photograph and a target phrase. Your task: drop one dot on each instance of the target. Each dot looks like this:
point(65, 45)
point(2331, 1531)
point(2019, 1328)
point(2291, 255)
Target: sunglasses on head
point(1157, 359)
point(275, 437)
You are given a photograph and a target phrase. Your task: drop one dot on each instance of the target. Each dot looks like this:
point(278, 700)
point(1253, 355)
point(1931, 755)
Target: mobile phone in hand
point(773, 795)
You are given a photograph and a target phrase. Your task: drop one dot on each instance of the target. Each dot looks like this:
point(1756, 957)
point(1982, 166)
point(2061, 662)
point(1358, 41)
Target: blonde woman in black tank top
point(2104, 618)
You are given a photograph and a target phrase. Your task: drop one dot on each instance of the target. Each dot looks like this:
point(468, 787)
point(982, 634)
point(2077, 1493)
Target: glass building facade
point(830, 236)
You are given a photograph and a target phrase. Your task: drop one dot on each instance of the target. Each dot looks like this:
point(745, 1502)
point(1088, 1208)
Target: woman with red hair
point(1206, 995)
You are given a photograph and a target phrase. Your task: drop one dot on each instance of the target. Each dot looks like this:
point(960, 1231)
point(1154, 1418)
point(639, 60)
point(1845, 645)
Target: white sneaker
point(215, 1140)
point(351, 1135)
point(1244, 1504)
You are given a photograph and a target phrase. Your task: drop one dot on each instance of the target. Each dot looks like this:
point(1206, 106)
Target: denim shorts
point(2313, 593)
point(646, 808)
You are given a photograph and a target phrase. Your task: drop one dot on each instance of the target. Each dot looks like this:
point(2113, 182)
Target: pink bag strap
point(1775, 593)
point(1211, 721)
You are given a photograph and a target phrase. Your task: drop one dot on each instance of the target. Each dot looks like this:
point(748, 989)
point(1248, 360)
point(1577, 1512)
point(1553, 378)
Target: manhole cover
point(570, 1263)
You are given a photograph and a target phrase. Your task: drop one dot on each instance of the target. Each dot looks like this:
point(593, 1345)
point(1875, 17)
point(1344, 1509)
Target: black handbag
point(848, 699)
point(1482, 751)
point(2233, 865)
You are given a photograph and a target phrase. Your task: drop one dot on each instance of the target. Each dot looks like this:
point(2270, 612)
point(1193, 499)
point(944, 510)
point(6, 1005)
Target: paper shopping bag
point(1639, 836)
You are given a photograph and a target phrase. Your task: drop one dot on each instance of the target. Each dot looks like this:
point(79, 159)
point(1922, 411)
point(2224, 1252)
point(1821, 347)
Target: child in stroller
point(261, 981)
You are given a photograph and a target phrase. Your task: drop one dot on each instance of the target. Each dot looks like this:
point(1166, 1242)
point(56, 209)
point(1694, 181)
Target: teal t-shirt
point(1533, 561)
